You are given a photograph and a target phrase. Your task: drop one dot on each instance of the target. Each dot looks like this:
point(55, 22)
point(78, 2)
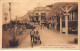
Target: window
point(63, 18)
point(43, 16)
point(37, 13)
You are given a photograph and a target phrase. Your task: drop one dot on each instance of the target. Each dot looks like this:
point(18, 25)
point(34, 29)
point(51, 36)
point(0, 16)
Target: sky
point(19, 9)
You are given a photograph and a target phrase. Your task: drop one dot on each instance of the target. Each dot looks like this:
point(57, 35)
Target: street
point(48, 37)
point(40, 24)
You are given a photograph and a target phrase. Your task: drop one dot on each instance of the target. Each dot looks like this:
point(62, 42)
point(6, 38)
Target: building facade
point(40, 14)
point(64, 16)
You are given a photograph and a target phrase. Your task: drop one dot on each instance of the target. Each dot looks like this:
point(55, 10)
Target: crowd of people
point(34, 34)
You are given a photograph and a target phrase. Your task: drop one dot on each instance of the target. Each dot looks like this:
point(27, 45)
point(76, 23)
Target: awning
point(59, 8)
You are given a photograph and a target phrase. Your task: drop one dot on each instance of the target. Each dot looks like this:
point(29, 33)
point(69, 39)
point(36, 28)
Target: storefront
point(66, 17)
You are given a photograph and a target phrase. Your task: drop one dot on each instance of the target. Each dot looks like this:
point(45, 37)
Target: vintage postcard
point(39, 24)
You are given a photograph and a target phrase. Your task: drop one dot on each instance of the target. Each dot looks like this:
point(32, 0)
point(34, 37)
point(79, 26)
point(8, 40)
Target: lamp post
point(16, 20)
point(5, 14)
point(10, 10)
point(10, 16)
point(13, 42)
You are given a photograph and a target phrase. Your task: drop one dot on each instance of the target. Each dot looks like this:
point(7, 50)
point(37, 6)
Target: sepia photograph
point(39, 24)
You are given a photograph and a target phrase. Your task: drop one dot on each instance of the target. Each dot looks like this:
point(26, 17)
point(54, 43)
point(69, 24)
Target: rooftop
point(61, 6)
point(41, 8)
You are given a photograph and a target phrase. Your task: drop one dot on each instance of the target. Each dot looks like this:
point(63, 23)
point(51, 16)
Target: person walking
point(32, 35)
point(48, 25)
point(38, 35)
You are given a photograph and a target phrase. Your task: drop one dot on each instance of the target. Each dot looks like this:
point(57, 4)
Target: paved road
point(26, 43)
point(48, 37)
